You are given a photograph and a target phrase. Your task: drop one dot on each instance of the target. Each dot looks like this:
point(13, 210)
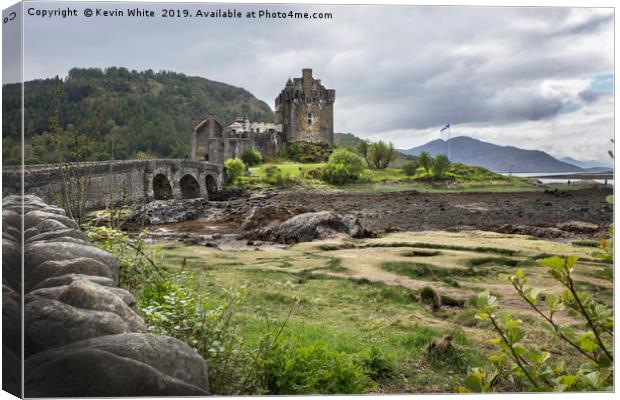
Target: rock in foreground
point(310, 226)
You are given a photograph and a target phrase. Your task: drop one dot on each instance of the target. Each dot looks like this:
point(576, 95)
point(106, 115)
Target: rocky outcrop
point(83, 336)
point(172, 211)
point(310, 226)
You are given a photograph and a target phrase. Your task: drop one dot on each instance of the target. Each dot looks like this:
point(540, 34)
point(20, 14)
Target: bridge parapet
point(112, 182)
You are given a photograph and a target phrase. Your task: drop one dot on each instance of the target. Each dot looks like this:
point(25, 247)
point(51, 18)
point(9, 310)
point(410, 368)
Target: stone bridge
point(115, 182)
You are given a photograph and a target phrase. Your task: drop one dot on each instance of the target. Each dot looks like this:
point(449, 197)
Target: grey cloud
point(393, 67)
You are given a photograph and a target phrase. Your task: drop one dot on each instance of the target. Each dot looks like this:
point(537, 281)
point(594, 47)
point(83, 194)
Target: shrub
point(411, 167)
point(363, 148)
point(292, 369)
point(235, 168)
point(306, 152)
point(426, 161)
point(252, 157)
point(344, 166)
point(381, 154)
point(590, 345)
point(212, 329)
point(441, 165)
point(274, 176)
point(378, 367)
point(429, 296)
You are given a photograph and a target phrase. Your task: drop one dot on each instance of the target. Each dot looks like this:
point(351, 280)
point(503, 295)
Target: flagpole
point(449, 144)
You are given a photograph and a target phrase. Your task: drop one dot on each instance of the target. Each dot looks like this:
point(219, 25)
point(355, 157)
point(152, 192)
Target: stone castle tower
point(305, 108)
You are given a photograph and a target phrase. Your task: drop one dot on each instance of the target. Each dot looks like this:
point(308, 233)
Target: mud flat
point(415, 211)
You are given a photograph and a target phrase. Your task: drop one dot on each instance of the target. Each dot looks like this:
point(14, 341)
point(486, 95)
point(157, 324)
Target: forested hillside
point(139, 114)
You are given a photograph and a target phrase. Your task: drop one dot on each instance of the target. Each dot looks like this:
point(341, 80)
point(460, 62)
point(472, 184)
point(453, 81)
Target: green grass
point(476, 249)
point(379, 324)
point(335, 265)
point(461, 178)
point(420, 253)
point(586, 243)
point(355, 316)
point(431, 272)
point(497, 261)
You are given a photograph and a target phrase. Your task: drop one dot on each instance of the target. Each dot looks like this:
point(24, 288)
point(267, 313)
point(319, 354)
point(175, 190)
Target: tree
point(343, 166)
point(411, 167)
point(235, 168)
point(441, 165)
point(252, 157)
point(381, 154)
point(426, 161)
point(362, 149)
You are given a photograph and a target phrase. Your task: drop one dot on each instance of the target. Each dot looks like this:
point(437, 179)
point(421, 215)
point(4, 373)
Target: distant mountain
point(591, 166)
point(495, 158)
point(146, 112)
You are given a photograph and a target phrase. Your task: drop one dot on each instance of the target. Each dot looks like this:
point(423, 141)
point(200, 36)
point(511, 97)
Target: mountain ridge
point(508, 159)
point(150, 114)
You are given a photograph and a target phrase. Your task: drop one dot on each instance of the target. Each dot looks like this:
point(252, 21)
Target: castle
point(304, 111)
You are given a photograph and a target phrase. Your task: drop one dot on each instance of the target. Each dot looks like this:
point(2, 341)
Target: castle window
point(309, 119)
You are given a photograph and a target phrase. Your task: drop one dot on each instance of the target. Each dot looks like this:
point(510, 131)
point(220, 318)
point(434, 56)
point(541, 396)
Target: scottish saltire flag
point(445, 127)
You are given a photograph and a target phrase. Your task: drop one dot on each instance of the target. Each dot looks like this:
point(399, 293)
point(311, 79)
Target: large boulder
point(11, 264)
point(88, 295)
point(91, 372)
point(11, 319)
point(12, 218)
point(67, 279)
point(269, 216)
point(52, 269)
point(167, 355)
point(52, 323)
point(40, 252)
point(11, 233)
point(309, 226)
point(48, 225)
point(11, 371)
point(61, 233)
point(35, 217)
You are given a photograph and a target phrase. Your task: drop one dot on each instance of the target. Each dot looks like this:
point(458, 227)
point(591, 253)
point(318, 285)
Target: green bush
point(343, 166)
point(378, 367)
point(411, 167)
point(429, 296)
point(235, 168)
point(274, 176)
point(533, 367)
point(426, 161)
point(363, 148)
point(291, 369)
point(306, 152)
point(441, 166)
point(252, 157)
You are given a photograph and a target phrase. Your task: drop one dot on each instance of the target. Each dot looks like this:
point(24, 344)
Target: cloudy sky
point(537, 78)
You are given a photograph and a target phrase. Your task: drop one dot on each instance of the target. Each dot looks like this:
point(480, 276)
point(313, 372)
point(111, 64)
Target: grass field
point(460, 179)
point(360, 297)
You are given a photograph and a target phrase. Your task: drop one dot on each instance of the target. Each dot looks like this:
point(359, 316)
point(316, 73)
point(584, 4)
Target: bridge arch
point(210, 184)
point(190, 189)
point(162, 190)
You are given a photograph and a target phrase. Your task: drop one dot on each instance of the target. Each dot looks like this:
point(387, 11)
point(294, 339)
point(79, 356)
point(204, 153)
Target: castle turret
point(305, 108)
